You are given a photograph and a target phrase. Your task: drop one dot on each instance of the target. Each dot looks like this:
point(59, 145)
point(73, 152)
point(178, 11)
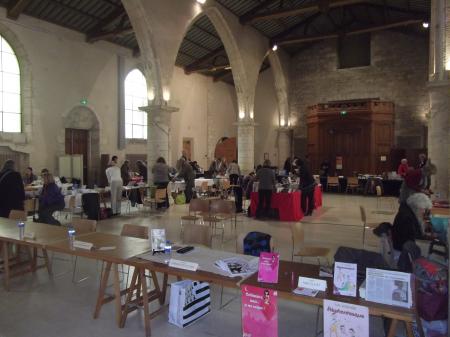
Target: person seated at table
point(187, 173)
point(403, 168)
point(266, 178)
point(29, 176)
point(50, 201)
point(142, 170)
point(417, 180)
point(160, 173)
point(12, 190)
point(306, 186)
point(409, 220)
point(234, 172)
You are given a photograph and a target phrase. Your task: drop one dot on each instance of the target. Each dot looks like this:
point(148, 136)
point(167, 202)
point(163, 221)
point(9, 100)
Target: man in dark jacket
point(266, 179)
point(12, 193)
point(408, 223)
point(187, 173)
point(307, 185)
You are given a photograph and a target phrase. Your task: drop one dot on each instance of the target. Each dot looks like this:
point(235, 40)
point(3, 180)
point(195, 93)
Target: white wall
point(266, 118)
point(65, 69)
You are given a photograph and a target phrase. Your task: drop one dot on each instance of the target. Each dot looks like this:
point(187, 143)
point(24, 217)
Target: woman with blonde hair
point(50, 201)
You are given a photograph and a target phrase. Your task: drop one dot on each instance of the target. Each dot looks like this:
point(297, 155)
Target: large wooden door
point(77, 142)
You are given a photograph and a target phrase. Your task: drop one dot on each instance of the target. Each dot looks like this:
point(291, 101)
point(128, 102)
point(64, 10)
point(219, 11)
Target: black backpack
point(91, 205)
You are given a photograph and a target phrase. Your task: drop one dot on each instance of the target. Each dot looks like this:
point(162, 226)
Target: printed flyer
point(345, 320)
point(259, 312)
point(268, 267)
point(344, 281)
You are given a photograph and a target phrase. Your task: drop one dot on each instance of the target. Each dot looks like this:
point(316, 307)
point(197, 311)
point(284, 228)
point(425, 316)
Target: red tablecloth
point(288, 204)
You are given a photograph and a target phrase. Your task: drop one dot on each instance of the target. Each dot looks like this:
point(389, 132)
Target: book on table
point(236, 266)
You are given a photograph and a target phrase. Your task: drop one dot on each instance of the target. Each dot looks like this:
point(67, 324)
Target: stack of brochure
point(236, 266)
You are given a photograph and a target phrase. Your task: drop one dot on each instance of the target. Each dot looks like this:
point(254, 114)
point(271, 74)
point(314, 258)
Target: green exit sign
point(84, 101)
point(343, 112)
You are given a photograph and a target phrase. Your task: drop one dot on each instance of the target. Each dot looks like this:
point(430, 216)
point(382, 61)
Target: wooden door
point(188, 148)
point(77, 142)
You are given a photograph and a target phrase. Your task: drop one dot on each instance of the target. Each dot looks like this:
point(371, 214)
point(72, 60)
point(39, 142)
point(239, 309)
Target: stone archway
point(83, 118)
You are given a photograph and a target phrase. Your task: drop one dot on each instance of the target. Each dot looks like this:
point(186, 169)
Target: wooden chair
point(134, 231)
point(160, 196)
point(333, 182)
point(352, 184)
point(197, 235)
point(366, 225)
point(198, 208)
point(221, 211)
point(298, 240)
point(18, 215)
point(82, 226)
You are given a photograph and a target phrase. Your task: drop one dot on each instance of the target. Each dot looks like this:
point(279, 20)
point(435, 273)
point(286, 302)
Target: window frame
point(127, 111)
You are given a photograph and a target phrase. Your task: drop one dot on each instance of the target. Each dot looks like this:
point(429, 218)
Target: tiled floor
point(39, 307)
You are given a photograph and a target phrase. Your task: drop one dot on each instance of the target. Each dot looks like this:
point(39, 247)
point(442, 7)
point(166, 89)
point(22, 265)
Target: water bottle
point(21, 226)
point(71, 232)
point(168, 247)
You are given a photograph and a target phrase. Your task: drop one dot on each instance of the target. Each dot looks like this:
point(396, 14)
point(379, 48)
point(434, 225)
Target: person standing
point(403, 168)
point(116, 185)
point(12, 193)
point(287, 167)
point(161, 178)
point(187, 173)
point(125, 172)
point(422, 160)
point(234, 172)
point(307, 185)
point(266, 179)
point(142, 170)
point(50, 201)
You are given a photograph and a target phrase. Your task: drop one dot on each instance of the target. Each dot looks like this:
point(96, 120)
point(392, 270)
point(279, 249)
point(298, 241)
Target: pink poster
point(259, 312)
point(268, 267)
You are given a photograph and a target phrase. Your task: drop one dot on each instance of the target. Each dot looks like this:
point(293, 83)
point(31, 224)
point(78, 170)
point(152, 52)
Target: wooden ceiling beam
point(243, 19)
point(302, 39)
point(120, 32)
point(16, 7)
point(201, 61)
point(316, 6)
point(99, 28)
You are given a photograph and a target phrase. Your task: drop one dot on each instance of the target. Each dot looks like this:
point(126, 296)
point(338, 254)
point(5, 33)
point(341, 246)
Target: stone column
point(438, 136)
point(158, 133)
point(246, 145)
point(284, 145)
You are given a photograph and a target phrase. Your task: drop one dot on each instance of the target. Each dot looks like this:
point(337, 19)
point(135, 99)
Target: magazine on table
point(344, 280)
point(345, 319)
point(388, 287)
point(158, 237)
point(236, 266)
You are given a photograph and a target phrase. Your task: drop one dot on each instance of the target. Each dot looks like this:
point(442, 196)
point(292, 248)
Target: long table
point(288, 204)
point(289, 271)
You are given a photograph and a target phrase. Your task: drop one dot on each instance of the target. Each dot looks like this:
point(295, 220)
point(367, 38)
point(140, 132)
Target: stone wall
point(398, 73)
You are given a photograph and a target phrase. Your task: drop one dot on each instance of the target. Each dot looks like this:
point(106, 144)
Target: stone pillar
point(438, 136)
point(158, 134)
point(284, 145)
point(246, 145)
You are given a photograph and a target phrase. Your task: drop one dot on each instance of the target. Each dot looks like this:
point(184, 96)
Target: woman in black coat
point(12, 193)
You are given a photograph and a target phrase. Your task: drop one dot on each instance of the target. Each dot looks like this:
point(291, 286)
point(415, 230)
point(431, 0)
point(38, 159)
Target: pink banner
point(259, 312)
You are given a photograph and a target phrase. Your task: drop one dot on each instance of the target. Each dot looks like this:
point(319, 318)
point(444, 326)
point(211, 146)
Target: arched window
point(10, 109)
point(135, 97)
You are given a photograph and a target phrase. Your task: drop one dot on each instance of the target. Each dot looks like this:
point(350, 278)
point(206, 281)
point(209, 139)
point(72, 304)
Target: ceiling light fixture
point(425, 24)
point(201, 2)
point(274, 47)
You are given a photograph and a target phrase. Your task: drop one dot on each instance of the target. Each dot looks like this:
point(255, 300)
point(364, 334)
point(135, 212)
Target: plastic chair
point(221, 211)
point(298, 240)
point(198, 208)
point(352, 184)
point(159, 196)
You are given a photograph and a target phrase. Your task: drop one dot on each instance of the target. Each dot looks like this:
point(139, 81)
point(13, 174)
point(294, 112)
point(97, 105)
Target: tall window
point(135, 97)
point(10, 110)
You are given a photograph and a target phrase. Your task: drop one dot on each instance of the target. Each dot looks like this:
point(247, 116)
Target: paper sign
point(83, 245)
point(259, 312)
point(388, 287)
point(344, 280)
point(312, 283)
point(268, 267)
point(344, 319)
point(192, 266)
point(30, 236)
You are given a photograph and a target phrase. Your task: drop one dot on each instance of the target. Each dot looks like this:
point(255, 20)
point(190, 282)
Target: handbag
point(189, 301)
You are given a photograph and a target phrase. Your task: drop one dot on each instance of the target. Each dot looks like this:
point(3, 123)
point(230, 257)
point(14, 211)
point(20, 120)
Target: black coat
point(12, 193)
point(406, 227)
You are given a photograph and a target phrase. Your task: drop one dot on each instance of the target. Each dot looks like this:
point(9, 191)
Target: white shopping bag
point(189, 300)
